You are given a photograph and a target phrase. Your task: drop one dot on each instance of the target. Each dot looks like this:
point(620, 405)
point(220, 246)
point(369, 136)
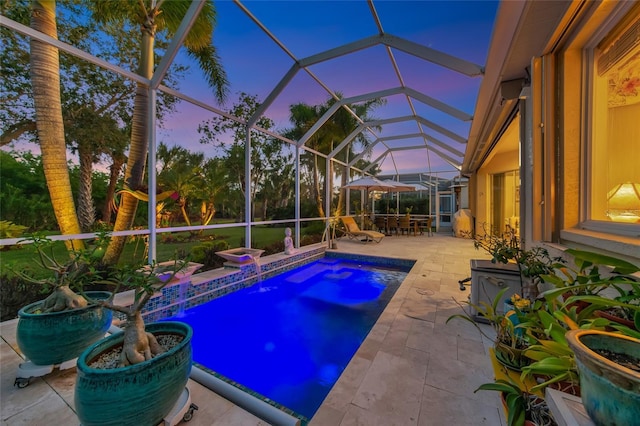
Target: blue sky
point(255, 63)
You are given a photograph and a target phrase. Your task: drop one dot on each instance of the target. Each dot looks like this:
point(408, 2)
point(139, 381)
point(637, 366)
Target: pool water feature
point(288, 338)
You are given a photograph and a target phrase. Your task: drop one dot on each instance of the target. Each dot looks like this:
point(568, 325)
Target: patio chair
point(354, 231)
point(381, 224)
point(425, 226)
point(392, 224)
point(404, 224)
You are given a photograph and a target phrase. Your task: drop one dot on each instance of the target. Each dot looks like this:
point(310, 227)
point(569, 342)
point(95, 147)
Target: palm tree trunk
point(316, 187)
point(343, 181)
point(86, 209)
point(183, 209)
point(45, 77)
point(134, 173)
point(114, 173)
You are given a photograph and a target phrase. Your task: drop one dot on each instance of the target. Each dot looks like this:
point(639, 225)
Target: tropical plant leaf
point(619, 265)
point(500, 387)
point(552, 328)
point(555, 347)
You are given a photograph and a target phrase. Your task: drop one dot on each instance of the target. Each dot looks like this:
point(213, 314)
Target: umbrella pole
point(363, 203)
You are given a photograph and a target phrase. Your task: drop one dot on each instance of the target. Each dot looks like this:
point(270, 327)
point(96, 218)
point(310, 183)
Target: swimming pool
point(288, 338)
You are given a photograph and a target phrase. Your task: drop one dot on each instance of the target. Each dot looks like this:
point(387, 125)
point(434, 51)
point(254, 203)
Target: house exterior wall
point(557, 112)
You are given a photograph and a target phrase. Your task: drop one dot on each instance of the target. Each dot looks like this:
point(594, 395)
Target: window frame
point(589, 74)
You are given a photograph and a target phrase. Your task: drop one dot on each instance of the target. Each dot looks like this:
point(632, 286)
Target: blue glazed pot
point(55, 337)
point(610, 392)
point(140, 394)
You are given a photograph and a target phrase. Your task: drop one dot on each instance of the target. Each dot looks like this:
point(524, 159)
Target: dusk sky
point(255, 64)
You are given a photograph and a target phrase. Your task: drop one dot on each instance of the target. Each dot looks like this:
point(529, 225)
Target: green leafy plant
point(557, 312)
point(11, 230)
point(585, 283)
point(521, 404)
point(507, 248)
point(509, 341)
point(552, 359)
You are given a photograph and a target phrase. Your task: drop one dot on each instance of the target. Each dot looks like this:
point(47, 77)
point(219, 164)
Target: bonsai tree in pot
point(139, 345)
point(58, 328)
point(134, 376)
point(61, 276)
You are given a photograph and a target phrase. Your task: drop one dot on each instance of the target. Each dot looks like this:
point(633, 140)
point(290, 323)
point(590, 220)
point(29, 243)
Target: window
point(615, 152)
point(505, 200)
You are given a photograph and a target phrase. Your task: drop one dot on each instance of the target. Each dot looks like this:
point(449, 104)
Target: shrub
point(277, 247)
point(10, 229)
point(16, 293)
point(205, 253)
point(310, 239)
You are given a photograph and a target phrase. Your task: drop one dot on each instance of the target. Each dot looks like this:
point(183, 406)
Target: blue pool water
point(290, 337)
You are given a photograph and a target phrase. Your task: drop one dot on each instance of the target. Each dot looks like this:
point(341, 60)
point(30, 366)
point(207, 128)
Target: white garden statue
point(288, 242)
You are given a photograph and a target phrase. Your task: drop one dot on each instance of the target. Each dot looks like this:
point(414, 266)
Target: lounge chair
point(354, 231)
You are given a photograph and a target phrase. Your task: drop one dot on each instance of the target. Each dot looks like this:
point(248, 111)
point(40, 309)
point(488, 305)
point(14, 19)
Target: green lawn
point(19, 258)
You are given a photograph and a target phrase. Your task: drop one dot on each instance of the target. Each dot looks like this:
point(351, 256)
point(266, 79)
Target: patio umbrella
point(399, 186)
point(369, 183)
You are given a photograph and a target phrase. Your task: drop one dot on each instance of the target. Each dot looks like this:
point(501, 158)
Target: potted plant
point(552, 361)
point(532, 263)
point(59, 327)
point(522, 406)
point(135, 376)
point(552, 316)
point(609, 367)
point(585, 287)
point(509, 341)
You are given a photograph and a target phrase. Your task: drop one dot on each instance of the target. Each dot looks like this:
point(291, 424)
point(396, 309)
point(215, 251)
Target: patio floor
point(412, 369)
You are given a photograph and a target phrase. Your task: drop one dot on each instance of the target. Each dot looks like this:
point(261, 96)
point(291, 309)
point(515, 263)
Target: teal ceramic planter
point(52, 338)
point(140, 394)
point(610, 392)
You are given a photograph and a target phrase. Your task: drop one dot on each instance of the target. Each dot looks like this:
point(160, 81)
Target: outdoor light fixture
point(457, 188)
point(623, 203)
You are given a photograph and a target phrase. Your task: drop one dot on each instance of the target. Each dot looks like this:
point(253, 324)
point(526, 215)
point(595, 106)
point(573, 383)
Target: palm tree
point(91, 134)
point(334, 131)
point(214, 178)
point(181, 171)
point(343, 124)
point(303, 117)
point(45, 77)
point(153, 16)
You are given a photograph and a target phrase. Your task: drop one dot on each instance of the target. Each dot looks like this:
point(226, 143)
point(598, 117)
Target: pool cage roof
point(350, 52)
